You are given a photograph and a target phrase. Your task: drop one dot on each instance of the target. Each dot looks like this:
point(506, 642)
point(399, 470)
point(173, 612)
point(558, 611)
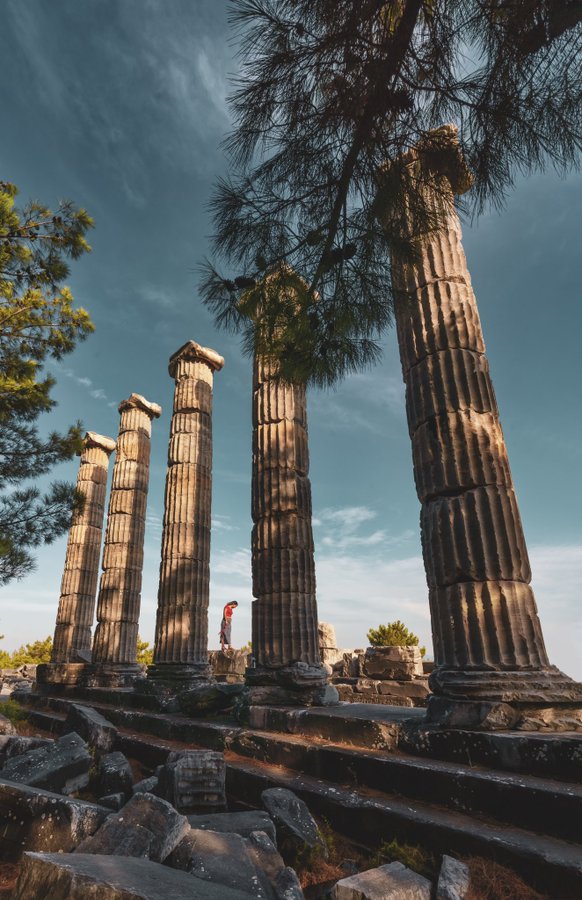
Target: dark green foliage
point(394, 634)
point(37, 321)
point(329, 91)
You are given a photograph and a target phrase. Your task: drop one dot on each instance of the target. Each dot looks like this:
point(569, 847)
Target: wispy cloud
point(366, 401)
point(223, 523)
point(96, 393)
point(340, 528)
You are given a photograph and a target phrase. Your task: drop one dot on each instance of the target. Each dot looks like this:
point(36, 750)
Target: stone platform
point(380, 772)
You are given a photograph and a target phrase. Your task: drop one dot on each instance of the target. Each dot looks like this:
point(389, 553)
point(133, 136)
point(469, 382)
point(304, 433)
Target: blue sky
point(121, 107)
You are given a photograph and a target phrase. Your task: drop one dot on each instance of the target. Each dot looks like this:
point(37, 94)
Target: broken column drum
point(181, 642)
point(287, 664)
point(76, 610)
point(487, 636)
point(115, 642)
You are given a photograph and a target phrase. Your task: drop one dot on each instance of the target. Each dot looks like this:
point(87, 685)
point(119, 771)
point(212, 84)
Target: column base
point(524, 700)
point(295, 685)
point(111, 675)
point(59, 673)
point(180, 675)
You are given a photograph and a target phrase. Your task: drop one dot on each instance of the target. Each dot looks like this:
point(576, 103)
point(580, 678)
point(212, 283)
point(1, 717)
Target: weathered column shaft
point(79, 583)
point(484, 616)
point(284, 609)
point(120, 588)
point(182, 616)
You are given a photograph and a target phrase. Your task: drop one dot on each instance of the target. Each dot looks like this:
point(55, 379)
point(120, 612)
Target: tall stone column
point(115, 642)
point(181, 642)
point(492, 668)
point(285, 644)
point(72, 640)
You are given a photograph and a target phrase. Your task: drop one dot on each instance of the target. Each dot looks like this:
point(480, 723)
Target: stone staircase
point(380, 772)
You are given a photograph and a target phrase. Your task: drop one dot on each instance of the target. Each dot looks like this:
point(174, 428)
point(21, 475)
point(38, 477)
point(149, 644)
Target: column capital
point(92, 439)
point(136, 401)
point(193, 352)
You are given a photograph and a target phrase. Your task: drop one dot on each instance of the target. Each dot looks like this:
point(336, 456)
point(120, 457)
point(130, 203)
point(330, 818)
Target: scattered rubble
point(295, 826)
point(453, 883)
point(62, 766)
point(93, 727)
point(146, 826)
point(243, 823)
point(115, 775)
point(393, 881)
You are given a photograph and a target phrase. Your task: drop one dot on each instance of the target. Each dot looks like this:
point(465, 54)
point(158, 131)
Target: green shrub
point(394, 634)
point(412, 857)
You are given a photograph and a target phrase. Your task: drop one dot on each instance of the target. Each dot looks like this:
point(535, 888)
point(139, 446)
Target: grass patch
point(412, 857)
point(490, 881)
point(13, 711)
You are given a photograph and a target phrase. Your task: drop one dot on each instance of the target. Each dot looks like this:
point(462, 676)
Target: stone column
point(181, 643)
point(72, 640)
point(115, 642)
point(491, 662)
point(288, 667)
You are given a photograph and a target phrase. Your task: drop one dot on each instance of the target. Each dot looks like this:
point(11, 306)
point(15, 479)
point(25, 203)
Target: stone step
point(373, 817)
point(541, 805)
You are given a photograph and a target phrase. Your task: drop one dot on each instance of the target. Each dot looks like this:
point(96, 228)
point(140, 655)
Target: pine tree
point(332, 92)
point(37, 321)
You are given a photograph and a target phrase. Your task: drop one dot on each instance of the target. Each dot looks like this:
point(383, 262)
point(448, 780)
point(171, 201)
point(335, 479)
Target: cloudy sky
point(121, 107)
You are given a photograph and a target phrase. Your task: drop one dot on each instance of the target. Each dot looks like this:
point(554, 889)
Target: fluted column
point(115, 642)
point(284, 620)
point(79, 583)
point(487, 635)
point(181, 642)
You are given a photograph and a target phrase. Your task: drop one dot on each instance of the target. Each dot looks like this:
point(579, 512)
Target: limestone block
point(133, 445)
point(284, 531)
point(81, 875)
point(12, 744)
point(130, 503)
point(62, 766)
point(482, 623)
point(332, 656)
point(281, 445)
point(95, 729)
point(81, 536)
point(277, 570)
point(188, 495)
point(122, 556)
point(113, 801)
point(193, 396)
point(6, 726)
point(35, 819)
point(188, 541)
point(88, 472)
point(189, 423)
point(454, 878)
point(448, 381)
point(442, 258)
point(129, 475)
point(277, 491)
point(295, 826)
point(326, 635)
point(285, 622)
point(476, 536)
point(115, 775)
point(391, 882)
point(439, 316)
point(273, 402)
point(81, 582)
point(251, 864)
point(232, 663)
point(128, 580)
point(147, 826)
point(193, 780)
point(400, 663)
point(243, 823)
point(116, 603)
point(193, 447)
point(135, 420)
point(124, 529)
point(113, 644)
point(458, 451)
point(184, 579)
point(264, 369)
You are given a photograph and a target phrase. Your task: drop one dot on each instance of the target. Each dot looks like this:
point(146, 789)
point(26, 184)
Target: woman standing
point(226, 624)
